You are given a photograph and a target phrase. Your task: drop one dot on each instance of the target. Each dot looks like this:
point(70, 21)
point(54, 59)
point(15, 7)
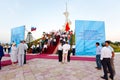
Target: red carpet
point(51, 48)
point(46, 56)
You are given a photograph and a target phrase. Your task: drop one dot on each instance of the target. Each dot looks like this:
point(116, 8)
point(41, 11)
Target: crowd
point(16, 53)
point(7, 47)
point(105, 58)
point(48, 39)
point(104, 55)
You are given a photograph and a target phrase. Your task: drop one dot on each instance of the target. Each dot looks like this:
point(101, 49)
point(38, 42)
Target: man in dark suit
point(1, 54)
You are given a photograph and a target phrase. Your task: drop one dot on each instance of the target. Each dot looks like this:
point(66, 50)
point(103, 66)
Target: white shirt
point(64, 40)
point(46, 37)
point(21, 48)
point(13, 50)
point(66, 48)
point(98, 50)
point(37, 45)
point(63, 35)
point(61, 38)
point(33, 46)
point(26, 46)
point(45, 46)
point(105, 53)
point(111, 48)
point(60, 47)
point(51, 39)
point(73, 46)
point(54, 40)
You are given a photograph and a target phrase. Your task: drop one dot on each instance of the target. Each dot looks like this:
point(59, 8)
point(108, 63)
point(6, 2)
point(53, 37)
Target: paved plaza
point(49, 69)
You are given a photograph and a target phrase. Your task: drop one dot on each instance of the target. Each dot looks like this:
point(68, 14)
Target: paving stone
point(48, 69)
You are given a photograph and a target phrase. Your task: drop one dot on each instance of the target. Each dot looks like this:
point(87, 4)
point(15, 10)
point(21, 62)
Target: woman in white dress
point(13, 54)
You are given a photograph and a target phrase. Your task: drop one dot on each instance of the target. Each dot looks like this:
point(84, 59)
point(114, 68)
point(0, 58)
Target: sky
point(47, 15)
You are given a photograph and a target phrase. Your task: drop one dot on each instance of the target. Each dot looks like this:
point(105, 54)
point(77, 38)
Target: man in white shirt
point(38, 47)
point(66, 48)
point(105, 59)
point(60, 50)
point(45, 47)
point(98, 54)
point(21, 52)
point(54, 41)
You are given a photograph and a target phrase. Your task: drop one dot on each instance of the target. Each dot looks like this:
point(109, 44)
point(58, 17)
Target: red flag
point(33, 28)
point(67, 28)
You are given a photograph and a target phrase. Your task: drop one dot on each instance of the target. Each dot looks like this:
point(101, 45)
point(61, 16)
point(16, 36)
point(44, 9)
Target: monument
point(29, 37)
point(67, 20)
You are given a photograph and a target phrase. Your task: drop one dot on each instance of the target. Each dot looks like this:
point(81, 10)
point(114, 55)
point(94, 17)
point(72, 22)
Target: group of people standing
point(64, 52)
point(105, 58)
point(64, 48)
point(47, 40)
point(17, 53)
point(104, 55)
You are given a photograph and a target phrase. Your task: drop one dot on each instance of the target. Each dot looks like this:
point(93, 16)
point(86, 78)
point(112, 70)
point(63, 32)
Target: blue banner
point(87, 34)
point(17, 34)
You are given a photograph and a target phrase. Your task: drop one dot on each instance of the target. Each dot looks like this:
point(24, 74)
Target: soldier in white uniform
point(21, 51)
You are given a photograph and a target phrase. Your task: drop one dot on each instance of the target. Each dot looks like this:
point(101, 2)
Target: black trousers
point(73, 51)
point(25, 57)
point(68, 57)
point(60, 55)
point(107, 65)
point(0, 62)
point(45, 50)
point(34, 50)
point(38, 49)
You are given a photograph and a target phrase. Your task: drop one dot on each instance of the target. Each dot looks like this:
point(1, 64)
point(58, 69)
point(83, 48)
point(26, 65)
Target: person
point(9, 48)
point(13, 54)
point(5, 48)
point(98, 54)
point(38, 48)
point(1, 54)
point(73, 49)
point(60, 52)
point(105, 59)
point(45, 47)
point(54, 42)
point(66, 48)
point(113, 55)
point(64, 40)
point(33, 48)
point(21, 52)
point(68, 56)
point(24, 42)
